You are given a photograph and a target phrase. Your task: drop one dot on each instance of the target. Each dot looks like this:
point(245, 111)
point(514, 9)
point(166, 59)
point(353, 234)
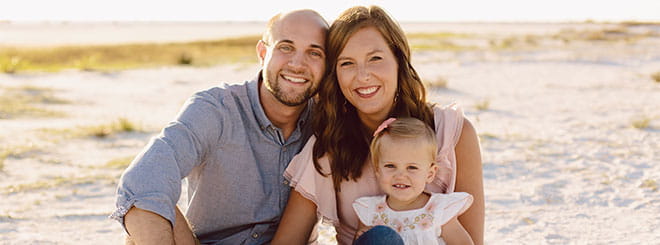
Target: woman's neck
point(417, 203)
point(371, 122)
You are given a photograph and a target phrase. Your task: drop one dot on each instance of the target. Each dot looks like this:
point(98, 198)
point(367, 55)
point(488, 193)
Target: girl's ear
point(261, 51)
point(432, 171)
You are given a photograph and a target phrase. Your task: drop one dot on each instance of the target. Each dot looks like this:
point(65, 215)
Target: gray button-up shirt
point(233, 157)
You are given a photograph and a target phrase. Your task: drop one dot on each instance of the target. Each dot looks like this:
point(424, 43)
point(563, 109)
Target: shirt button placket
point(255, 235)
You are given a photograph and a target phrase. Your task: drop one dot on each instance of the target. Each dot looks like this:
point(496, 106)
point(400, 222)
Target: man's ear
point(433, 170)
point(261, 51)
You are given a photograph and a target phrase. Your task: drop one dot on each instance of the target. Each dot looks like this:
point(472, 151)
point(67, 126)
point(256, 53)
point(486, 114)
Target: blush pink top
point(336, 207)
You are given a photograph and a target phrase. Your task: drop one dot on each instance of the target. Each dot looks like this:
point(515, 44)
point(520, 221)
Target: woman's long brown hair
point(338, 130)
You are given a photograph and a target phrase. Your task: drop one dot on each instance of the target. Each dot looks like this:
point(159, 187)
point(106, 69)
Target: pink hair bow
point(384, 125)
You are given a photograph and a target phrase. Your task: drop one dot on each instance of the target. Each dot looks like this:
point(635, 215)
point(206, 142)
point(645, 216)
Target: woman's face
point(367, 75)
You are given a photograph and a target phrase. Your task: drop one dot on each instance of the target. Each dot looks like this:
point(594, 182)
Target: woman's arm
point(469, 178)
point(454, 233)
point(297, 221)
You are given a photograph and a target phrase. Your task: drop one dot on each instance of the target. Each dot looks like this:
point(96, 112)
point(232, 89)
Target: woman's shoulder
point(452, 111)
point(305, 158)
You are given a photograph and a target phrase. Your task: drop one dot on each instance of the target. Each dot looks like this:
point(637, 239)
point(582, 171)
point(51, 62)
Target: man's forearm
point(145, 227)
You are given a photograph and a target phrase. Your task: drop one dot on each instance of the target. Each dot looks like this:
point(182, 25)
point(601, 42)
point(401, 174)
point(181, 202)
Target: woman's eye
point(376, 58)
point(345, 63)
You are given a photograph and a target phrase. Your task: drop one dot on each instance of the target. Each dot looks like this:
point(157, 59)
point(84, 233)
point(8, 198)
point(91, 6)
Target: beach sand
point(570, 137)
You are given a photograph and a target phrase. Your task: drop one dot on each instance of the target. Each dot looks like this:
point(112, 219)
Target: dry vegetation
point(121, 125)
point(113, 57)
point(25, 101)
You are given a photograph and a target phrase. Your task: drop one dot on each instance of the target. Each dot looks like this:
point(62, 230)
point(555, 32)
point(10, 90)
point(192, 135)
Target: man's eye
point(316, 54)
point(286, 48)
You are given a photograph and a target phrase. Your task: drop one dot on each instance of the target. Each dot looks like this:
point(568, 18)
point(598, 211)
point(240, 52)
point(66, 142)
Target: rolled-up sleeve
point(153, 180)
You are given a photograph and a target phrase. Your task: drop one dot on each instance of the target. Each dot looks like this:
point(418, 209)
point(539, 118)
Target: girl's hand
point(361, 229)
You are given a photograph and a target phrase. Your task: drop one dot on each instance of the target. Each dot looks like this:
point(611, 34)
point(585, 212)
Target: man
point(233, 144)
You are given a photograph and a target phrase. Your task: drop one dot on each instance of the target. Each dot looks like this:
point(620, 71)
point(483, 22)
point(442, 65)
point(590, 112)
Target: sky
point(402, 10)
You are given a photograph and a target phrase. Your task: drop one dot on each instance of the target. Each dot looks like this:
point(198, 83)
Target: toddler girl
point(403, 153)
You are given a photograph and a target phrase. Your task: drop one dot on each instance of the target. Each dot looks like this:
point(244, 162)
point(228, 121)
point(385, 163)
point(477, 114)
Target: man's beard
point(289, 99)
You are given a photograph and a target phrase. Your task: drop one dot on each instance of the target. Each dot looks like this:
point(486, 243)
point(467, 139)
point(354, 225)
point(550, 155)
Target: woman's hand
point(297, 221)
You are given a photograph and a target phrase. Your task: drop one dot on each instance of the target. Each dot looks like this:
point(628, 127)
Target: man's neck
point(282, 116)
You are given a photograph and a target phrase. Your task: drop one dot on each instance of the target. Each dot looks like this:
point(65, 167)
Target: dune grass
point(120, 125)
point(482, 105)
point(656, 77)
point(7, 151)
point(641, 122)
point(59, 181)
point(24, 101)
point(126, 56)
point(119, 163)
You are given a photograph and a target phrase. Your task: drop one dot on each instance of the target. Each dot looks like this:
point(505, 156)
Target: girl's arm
point(469, 178)
point(297, 221)
point(454, 233)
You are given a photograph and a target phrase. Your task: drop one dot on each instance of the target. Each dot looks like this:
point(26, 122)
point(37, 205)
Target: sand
point(563, 162)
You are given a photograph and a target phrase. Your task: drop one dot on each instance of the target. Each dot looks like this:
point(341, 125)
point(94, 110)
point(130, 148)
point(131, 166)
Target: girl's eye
point(413, 167)
point(388, 166)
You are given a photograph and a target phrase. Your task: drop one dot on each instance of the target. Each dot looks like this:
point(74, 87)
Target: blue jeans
point(379, 235)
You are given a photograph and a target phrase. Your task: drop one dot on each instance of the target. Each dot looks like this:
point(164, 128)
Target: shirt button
point(284, 149)
point(285, 182)
point(255, 235)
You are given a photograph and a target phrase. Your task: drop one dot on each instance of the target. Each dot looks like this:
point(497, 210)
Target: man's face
point(294, 58)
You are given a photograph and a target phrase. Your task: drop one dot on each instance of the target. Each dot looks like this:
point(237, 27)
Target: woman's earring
point(396, 96)
point(345, 108)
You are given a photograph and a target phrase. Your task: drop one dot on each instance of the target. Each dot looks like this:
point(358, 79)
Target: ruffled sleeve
point(448, 126)
point(304, 179)
point(451, 205)
point(364, 208)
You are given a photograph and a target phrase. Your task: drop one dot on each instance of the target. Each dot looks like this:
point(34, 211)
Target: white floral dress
point(417, 226)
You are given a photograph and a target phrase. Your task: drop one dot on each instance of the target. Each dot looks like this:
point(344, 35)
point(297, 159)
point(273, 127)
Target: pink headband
point(384, 125)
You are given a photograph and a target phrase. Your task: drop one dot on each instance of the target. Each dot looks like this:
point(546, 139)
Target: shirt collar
point(255, 101)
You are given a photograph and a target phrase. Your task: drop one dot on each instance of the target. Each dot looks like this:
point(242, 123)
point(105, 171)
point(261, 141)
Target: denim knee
point(379, 235)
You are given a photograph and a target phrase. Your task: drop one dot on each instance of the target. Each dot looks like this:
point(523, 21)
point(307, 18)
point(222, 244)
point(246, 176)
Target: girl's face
point(404, 169)
point(367, 75)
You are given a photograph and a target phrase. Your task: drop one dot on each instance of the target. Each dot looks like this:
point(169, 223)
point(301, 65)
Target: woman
point(370, 78)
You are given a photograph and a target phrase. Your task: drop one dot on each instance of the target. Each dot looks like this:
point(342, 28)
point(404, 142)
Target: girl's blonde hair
point(405, 128)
